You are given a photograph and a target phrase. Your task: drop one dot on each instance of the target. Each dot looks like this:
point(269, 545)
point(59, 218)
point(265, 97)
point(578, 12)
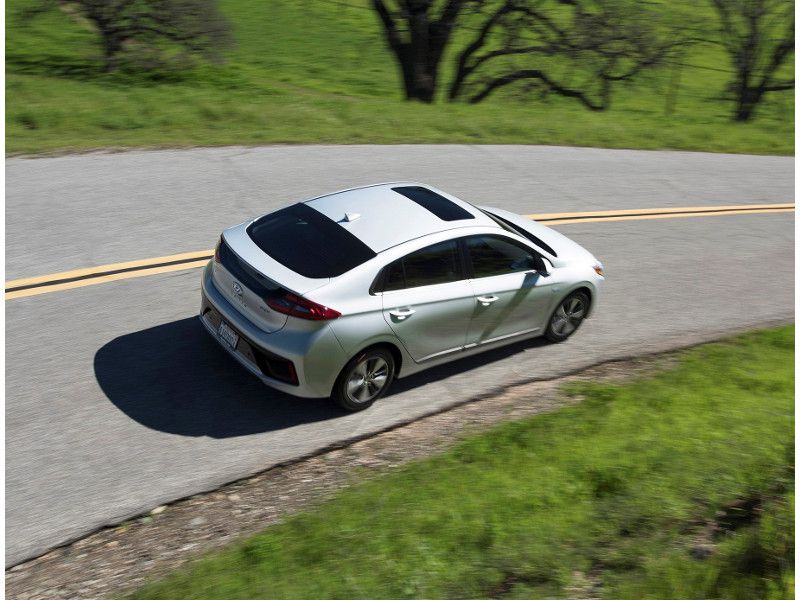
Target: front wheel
point(364, 379)
point(567, 317)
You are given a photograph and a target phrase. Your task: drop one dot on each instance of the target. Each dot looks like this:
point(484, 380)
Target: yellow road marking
point(566, 221)
point(67, 280)
point(104, 279)
point(103, 268)
point(690, 210)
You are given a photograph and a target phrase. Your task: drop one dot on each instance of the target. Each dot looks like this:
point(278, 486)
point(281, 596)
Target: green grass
point(314, 71)
point(755, 562)
point(612, 488)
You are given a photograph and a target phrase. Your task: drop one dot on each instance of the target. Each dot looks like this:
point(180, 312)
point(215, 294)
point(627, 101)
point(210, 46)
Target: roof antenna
point(350, 217)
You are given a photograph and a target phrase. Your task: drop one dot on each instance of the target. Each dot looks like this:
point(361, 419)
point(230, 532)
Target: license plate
point(228, 335)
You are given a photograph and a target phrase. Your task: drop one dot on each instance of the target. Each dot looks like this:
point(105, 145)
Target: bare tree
point(418, 37)
point(758, 36)
point(196, 25)
point(574, 48)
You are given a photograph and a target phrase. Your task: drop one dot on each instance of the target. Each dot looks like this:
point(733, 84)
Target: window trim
point(512, 228)
point(376, 287)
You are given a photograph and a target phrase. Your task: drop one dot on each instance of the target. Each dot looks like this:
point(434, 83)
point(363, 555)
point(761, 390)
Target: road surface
point(117, 402)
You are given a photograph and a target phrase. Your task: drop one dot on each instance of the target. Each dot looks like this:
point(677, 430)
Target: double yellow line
point(640, 214)
point(55, 282)
point(67, 280)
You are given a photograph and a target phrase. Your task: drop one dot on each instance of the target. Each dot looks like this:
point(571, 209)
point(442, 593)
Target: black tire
point(567, 317)
point(374, 365)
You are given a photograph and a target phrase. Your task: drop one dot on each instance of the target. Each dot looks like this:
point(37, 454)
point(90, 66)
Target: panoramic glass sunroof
point(438, 205)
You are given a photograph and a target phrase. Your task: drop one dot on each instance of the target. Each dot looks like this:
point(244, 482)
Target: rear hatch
point(247, 289)
point(281, 256)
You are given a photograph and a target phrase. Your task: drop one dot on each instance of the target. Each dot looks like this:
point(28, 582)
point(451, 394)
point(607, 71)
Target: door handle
point(487, 300)
point(402, 313)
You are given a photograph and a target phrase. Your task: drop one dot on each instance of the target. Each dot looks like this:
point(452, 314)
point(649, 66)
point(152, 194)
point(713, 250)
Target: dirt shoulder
point(116, 559)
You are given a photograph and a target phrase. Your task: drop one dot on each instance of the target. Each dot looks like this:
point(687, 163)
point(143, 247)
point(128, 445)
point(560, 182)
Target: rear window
point(309, 243)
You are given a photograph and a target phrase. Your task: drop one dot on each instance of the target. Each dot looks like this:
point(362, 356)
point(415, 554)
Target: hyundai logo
point(237, 289)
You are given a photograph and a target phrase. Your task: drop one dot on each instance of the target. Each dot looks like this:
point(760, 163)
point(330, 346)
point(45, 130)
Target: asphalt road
point(117, 402)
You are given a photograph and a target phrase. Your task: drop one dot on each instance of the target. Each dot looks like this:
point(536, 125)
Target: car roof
point(387, 214)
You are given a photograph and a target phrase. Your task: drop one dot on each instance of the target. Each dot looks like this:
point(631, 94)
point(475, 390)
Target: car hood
point(566, 250)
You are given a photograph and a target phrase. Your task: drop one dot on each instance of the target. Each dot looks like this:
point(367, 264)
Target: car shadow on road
point(175, 378)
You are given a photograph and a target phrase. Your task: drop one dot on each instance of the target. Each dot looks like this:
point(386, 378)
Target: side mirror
point(541, 265)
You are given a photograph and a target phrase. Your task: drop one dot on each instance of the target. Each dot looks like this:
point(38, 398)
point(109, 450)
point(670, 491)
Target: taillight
point(217, 258)
point(294, 305)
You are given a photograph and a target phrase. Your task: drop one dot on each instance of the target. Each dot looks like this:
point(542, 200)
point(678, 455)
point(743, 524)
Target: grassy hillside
point(674, 486)
point(319, 71)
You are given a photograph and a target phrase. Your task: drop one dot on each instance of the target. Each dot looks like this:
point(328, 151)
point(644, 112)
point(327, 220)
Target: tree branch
point(447, 18)
point(779, 55)
point(541, 76)
point(392, 34)
point(780, 87)
point(462, 69)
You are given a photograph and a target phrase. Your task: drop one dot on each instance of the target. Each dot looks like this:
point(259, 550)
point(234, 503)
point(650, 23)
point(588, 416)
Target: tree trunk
point(746, 101)
point(423, 78)
point(419, 82)
point(419, 64)
point(424, 84)
point(111, 48)
point(419, 53)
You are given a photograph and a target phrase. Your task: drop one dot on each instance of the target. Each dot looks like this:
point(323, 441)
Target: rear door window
point(439, 263)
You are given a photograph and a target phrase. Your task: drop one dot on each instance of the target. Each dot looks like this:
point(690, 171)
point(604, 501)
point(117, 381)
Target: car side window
point(491, 255)
point(439, 263)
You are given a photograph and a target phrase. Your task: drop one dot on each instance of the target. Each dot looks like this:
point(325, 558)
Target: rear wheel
point(567, 317)
point(364, 379)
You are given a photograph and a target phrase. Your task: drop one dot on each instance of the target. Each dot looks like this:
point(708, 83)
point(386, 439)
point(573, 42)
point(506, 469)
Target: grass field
point(614, 492)
point(318, 71)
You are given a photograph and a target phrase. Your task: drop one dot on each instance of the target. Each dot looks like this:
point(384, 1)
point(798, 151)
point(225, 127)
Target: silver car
point(339, 295)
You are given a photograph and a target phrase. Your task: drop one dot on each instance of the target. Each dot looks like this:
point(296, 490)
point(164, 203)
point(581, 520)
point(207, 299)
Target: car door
point(511, 296)
point(427, 301)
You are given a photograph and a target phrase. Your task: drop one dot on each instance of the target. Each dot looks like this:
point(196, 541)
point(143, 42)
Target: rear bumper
point(316, 356)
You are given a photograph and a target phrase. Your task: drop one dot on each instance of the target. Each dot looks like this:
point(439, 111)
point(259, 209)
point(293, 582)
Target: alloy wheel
point(367, 380)
point(568, 316)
